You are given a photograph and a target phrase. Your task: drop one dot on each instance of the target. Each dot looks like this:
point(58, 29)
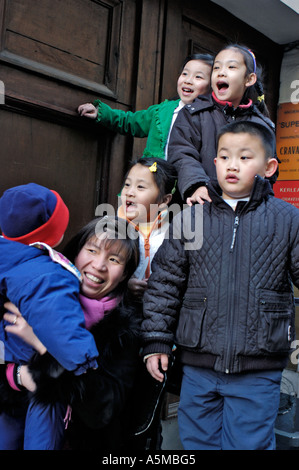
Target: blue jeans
point(228, 411)
point(41, 428)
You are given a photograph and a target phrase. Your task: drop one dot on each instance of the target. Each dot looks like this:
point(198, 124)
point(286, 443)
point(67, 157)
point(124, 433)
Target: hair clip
point(153, 168)
point(254, 60)
point(174, 188)
point(261, 98)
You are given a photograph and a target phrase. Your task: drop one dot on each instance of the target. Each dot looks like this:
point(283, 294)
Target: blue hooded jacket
point(47, 296)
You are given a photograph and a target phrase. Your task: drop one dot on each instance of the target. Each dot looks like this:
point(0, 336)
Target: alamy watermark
point(2, 356)
point(295, 93)
point(2, 92)
point(187, 223)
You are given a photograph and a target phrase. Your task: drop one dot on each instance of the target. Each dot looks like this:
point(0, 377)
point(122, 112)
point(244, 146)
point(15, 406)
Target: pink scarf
point(94, 309)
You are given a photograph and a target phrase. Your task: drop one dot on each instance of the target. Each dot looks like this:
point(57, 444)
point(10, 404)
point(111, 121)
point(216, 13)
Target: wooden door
point(55, 55)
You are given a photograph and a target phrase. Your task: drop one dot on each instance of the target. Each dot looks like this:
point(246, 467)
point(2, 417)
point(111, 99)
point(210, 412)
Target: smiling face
point(229, 76)
point(194, 80)
point(102, 264)
point(240, 158)
point(140, 195)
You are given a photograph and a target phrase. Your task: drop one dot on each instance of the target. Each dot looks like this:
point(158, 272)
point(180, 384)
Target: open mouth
point(130, 204)
point(93, 278)
point(187, 90)
point(222, 86)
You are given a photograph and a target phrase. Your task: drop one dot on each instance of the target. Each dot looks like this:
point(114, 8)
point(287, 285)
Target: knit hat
point(32, 213)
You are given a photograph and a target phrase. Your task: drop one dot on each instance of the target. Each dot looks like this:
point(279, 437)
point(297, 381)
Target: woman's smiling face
point(102, 264)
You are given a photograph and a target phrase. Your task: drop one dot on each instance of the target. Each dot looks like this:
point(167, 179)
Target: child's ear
point(166, 200)
point(251, 79)
point(271, 167)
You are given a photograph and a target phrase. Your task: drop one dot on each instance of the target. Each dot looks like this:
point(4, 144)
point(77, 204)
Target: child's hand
point(200, 195)
point(21, 328)
point(26, 379)
point(153, 366)
point(137, 287)
point(88, 110)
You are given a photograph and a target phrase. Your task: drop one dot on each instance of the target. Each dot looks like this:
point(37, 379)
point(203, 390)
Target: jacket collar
point(228, 104)
point(201, 103)
point(209, 101)
point(261, 190)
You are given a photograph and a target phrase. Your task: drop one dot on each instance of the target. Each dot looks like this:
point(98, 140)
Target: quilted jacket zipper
point(236, 225)
point(233, 264)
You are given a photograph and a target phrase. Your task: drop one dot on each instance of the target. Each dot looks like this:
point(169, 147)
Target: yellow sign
point(287, 141)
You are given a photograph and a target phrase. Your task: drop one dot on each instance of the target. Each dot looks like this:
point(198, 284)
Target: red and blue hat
point(31, 213)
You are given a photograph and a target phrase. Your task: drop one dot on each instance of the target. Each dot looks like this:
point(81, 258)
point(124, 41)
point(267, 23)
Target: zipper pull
point(236, 225)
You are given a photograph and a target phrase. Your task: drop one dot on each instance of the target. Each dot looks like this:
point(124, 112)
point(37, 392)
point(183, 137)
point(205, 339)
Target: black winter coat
point(192, 145)
point(228, 304)
point(98, 398)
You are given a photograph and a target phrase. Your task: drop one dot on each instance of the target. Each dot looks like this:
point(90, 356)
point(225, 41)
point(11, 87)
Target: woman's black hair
point(165, 174)
point(118, 231)
point(255, 92)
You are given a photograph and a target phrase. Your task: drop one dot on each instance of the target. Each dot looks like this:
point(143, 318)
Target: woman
point(106, 256)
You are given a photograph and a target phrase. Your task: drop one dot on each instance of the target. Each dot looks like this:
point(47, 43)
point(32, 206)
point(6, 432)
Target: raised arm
point(136, 123)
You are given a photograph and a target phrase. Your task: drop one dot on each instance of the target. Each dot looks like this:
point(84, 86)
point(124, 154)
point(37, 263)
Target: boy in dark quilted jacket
point(226, 298)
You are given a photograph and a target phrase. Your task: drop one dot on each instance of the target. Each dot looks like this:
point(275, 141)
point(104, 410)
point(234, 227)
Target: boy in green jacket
point(156, 122)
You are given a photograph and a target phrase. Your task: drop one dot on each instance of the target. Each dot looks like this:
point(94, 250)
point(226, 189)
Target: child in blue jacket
point(45, 288)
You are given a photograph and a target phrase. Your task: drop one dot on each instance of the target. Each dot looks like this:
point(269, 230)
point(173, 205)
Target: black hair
point(206, 58)
point(255, 92)
point(117, 231)
point(265, 135)
point(165, 175)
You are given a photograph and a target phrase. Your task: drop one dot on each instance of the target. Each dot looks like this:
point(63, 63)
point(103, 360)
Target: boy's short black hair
point(206, 58)
point(265, 135)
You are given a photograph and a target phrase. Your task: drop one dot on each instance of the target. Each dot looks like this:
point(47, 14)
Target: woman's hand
point(200, 195)
point(137, 287)
point(21, 328)
point(88, 110)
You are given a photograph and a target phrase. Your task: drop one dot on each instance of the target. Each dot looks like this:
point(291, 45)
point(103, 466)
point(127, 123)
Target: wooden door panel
point(74, 36)
point(58, 157)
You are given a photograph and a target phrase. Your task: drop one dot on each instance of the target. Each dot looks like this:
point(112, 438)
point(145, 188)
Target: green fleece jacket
point(153, 123)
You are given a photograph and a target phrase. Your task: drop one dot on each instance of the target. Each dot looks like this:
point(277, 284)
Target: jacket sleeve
point(166, 288)
point(184, 153)
point(11, 400)
point(50, 304)
point(125, 122)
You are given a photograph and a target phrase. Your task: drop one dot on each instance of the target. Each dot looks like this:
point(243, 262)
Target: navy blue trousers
point(228, 411)
point(41, 428)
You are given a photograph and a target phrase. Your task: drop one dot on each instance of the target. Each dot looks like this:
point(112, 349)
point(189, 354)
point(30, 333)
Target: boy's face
point(194, 80)
point(240, 158)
